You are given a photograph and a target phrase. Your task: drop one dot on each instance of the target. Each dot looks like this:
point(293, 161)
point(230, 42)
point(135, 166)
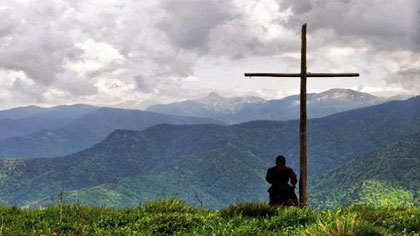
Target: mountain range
point(243, 109)
point(62, 130)
point(215, 165)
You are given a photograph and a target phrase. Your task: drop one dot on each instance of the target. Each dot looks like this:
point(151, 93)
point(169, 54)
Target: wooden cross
point(302, 134)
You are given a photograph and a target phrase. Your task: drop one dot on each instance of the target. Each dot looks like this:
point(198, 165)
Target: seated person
point(280, 192)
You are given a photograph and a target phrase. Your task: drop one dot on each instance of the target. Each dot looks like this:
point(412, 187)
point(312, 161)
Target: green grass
point(174, 217)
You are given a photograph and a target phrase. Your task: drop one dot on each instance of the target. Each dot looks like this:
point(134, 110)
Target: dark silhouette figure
point(280, 192)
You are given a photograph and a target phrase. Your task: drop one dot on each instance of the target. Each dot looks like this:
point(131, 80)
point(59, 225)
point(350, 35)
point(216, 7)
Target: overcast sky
point(134, 53)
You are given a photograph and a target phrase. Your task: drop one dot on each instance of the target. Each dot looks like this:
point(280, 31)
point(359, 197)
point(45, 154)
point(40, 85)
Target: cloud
point(75, 86)
point(17, 88)
point(226, 28)
point(298, 7)
point(257, 30)
point(188, 23)
point(406, 73)
point(32, 42)
point(409, 78)
point(381, 23)
point(97, 58)
point(142, 84)
point(415, 26)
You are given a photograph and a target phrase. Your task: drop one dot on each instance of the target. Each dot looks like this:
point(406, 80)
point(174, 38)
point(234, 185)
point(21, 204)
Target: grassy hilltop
point(174, 217)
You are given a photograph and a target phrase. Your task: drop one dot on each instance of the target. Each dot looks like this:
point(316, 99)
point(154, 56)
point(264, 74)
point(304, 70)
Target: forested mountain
point(209, 164)
point(390, 175)
point(62, 130)
point(243, 109)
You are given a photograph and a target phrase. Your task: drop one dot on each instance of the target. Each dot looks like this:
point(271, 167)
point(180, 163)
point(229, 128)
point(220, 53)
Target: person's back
point(280, 192)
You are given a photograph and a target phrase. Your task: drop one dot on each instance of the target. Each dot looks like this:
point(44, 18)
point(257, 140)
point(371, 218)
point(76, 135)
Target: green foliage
point(377, 193)
point(175, 217)
point(389, 176)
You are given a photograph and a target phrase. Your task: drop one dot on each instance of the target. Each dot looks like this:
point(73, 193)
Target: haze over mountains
point(62, 130)
point(219, 165)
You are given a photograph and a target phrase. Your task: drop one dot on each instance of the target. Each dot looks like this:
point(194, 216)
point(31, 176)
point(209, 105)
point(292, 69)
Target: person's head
point(280, 159)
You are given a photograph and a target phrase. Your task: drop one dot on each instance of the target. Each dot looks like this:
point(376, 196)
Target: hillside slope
point(387, 176)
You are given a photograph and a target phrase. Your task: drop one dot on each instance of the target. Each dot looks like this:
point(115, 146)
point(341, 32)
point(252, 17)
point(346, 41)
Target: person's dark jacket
point(278, 176)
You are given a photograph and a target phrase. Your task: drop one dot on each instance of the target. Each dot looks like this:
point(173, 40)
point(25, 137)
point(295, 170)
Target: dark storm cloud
point(188, 23)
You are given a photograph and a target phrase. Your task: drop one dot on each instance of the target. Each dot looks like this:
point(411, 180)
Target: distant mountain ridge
point(217, 164)
point(19, 112)
point(23, 121)
point(243, 109)
point(62, 130)
point(214, 106)
point(221, 104)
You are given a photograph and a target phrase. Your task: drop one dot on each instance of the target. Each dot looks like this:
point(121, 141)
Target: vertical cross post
point(303, 197)
point(302, 126)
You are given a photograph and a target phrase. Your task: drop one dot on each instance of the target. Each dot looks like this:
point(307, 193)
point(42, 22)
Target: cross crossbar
point(299, 74)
